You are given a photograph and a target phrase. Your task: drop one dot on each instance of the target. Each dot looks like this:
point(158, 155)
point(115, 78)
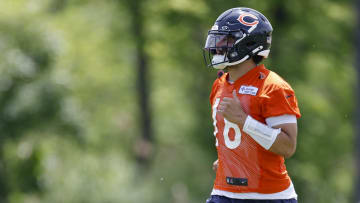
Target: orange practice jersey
point(244, 165)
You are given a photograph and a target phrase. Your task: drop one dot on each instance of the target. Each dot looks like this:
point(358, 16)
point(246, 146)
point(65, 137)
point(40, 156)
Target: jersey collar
point(250, 73)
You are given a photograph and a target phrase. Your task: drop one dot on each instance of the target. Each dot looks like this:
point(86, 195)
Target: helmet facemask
point(226, 48)
point(220, 47)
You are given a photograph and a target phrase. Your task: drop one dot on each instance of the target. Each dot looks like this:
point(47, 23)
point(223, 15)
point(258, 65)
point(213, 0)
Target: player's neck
point(236, 71)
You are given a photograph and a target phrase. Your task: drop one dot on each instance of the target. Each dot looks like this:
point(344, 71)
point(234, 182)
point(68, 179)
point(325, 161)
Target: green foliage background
point(69, 116)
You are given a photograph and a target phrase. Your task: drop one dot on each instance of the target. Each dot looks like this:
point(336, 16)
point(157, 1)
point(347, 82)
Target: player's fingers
point(234, 99)
point(221, 107)
point(215, 165)
point(227, 99)
point(222, 110)
point(224, 105)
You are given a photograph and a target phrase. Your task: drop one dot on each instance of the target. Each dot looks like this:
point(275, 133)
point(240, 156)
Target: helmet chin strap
point(221, 61)
point(218, 61)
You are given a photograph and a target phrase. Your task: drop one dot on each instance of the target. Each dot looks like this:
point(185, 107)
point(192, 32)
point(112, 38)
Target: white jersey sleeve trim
point(289, 193)
point(277, 120)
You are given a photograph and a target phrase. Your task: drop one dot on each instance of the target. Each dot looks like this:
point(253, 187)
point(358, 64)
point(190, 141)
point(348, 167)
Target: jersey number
point(237, 140)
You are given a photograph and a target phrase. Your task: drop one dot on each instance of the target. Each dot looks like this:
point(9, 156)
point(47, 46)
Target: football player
point(255, 112)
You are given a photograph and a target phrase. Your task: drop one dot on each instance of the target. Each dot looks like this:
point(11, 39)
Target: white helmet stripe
point(264, 53)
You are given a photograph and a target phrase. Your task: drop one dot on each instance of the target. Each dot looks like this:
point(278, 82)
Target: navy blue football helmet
point(237, 35)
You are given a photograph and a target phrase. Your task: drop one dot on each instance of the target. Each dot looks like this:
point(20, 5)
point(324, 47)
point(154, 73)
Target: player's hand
point(230, 108)
point(215, 165)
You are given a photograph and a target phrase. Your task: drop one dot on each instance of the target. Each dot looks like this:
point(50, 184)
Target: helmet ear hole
point(257, 59)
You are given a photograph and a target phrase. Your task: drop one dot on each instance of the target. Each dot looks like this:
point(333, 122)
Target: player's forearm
point(284, 145)
point(280, 139)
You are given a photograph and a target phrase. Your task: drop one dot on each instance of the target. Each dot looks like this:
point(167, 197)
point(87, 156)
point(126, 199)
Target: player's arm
point(215, 165)
point(285, 142)
point(280, 139)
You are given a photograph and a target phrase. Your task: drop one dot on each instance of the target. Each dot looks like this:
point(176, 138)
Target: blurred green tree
point(59, 52)
point(144, 144)
point(30, 101)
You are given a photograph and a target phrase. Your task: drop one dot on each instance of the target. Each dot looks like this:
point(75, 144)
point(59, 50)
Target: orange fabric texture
point(262, 94)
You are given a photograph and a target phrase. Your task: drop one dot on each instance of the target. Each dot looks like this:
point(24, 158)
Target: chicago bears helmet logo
point(251, 20)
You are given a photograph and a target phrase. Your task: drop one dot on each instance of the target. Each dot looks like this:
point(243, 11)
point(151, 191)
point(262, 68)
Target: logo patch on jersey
point(248, 90)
